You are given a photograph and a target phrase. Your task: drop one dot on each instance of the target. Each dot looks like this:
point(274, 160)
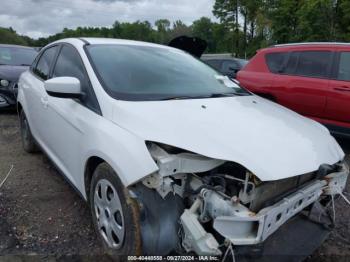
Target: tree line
point(242, 26)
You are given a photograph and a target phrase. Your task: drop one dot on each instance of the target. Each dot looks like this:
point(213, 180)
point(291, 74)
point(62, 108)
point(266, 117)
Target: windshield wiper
point(199, 96)
point(178, 97)
point(241, 93)
point(213, 95)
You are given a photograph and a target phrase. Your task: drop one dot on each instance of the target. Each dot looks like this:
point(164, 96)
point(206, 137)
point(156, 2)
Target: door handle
point(44, 101)
point(342, 89)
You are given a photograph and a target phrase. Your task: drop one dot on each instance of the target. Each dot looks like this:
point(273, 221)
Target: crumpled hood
point(11, 73)
point(268, 139)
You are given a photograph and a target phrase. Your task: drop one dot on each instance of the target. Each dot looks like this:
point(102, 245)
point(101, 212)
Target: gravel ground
point(41, 215)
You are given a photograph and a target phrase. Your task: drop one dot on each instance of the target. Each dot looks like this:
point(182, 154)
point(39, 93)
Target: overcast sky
point(37, 18)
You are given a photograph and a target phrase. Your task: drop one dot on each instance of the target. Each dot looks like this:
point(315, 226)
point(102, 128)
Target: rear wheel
point(28, 141)
point(115, 214)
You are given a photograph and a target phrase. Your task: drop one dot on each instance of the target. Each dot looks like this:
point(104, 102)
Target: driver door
point(66, 119)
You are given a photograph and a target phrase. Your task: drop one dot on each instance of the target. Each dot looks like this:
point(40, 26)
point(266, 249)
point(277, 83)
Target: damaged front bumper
point(293, 241)
point(253, 228)
point(241, 226)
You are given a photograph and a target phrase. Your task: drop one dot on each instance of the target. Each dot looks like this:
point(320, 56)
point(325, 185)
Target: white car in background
point(171, 155)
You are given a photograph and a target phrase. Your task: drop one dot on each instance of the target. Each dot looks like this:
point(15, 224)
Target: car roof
point(312, 43)
point(17, 46)
point(306, 45)
point(106, 41)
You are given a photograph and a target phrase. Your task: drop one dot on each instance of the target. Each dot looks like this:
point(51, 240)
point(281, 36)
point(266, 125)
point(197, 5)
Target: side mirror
point(63, 87)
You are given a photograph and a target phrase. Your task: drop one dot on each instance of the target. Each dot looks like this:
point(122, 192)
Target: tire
point(28, 142)
point(115, 214)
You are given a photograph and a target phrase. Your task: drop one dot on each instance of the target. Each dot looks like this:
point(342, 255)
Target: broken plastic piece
point(196, 238)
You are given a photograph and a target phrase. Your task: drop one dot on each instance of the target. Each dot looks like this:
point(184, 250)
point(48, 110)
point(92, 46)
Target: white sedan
point(171, 155)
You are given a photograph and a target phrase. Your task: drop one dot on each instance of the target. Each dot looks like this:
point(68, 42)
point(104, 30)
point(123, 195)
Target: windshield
point(132, 72)
point(17, 56)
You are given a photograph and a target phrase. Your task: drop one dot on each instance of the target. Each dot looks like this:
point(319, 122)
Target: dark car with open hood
point(226, 64)
point(14, 60)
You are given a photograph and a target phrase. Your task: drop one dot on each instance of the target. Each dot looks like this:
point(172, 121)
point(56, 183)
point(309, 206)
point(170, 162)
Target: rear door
point(338, 100)
point(304, 80)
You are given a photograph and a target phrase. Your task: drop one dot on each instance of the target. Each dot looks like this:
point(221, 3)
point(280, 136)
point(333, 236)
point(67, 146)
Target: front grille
point(268, 193)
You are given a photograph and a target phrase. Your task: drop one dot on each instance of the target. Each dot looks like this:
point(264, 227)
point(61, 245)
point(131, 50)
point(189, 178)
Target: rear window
point(275, 61)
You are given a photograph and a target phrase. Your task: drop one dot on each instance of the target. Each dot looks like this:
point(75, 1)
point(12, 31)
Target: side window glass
point(344, 66)
point(313, 63)
point(275, 61)
point(292, 63)
point(33, 65)
point(229, 66)
point(43, 66)
point(69, 64)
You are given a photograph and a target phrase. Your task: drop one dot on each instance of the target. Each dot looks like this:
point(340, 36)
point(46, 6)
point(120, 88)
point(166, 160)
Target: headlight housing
point(4, 83)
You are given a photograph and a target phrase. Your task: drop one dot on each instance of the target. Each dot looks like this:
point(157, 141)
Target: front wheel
point(28, 141)
point(115, 214)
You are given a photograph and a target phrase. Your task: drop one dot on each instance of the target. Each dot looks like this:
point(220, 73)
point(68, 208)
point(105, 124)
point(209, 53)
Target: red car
point(312, 79)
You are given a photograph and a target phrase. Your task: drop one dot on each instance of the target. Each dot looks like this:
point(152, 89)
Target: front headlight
point(4, 83)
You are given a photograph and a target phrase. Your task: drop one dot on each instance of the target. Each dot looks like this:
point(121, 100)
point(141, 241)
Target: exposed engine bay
point(201, 205)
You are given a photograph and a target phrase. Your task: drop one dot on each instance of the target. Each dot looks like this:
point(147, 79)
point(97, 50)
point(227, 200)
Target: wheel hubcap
point(109, 214)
